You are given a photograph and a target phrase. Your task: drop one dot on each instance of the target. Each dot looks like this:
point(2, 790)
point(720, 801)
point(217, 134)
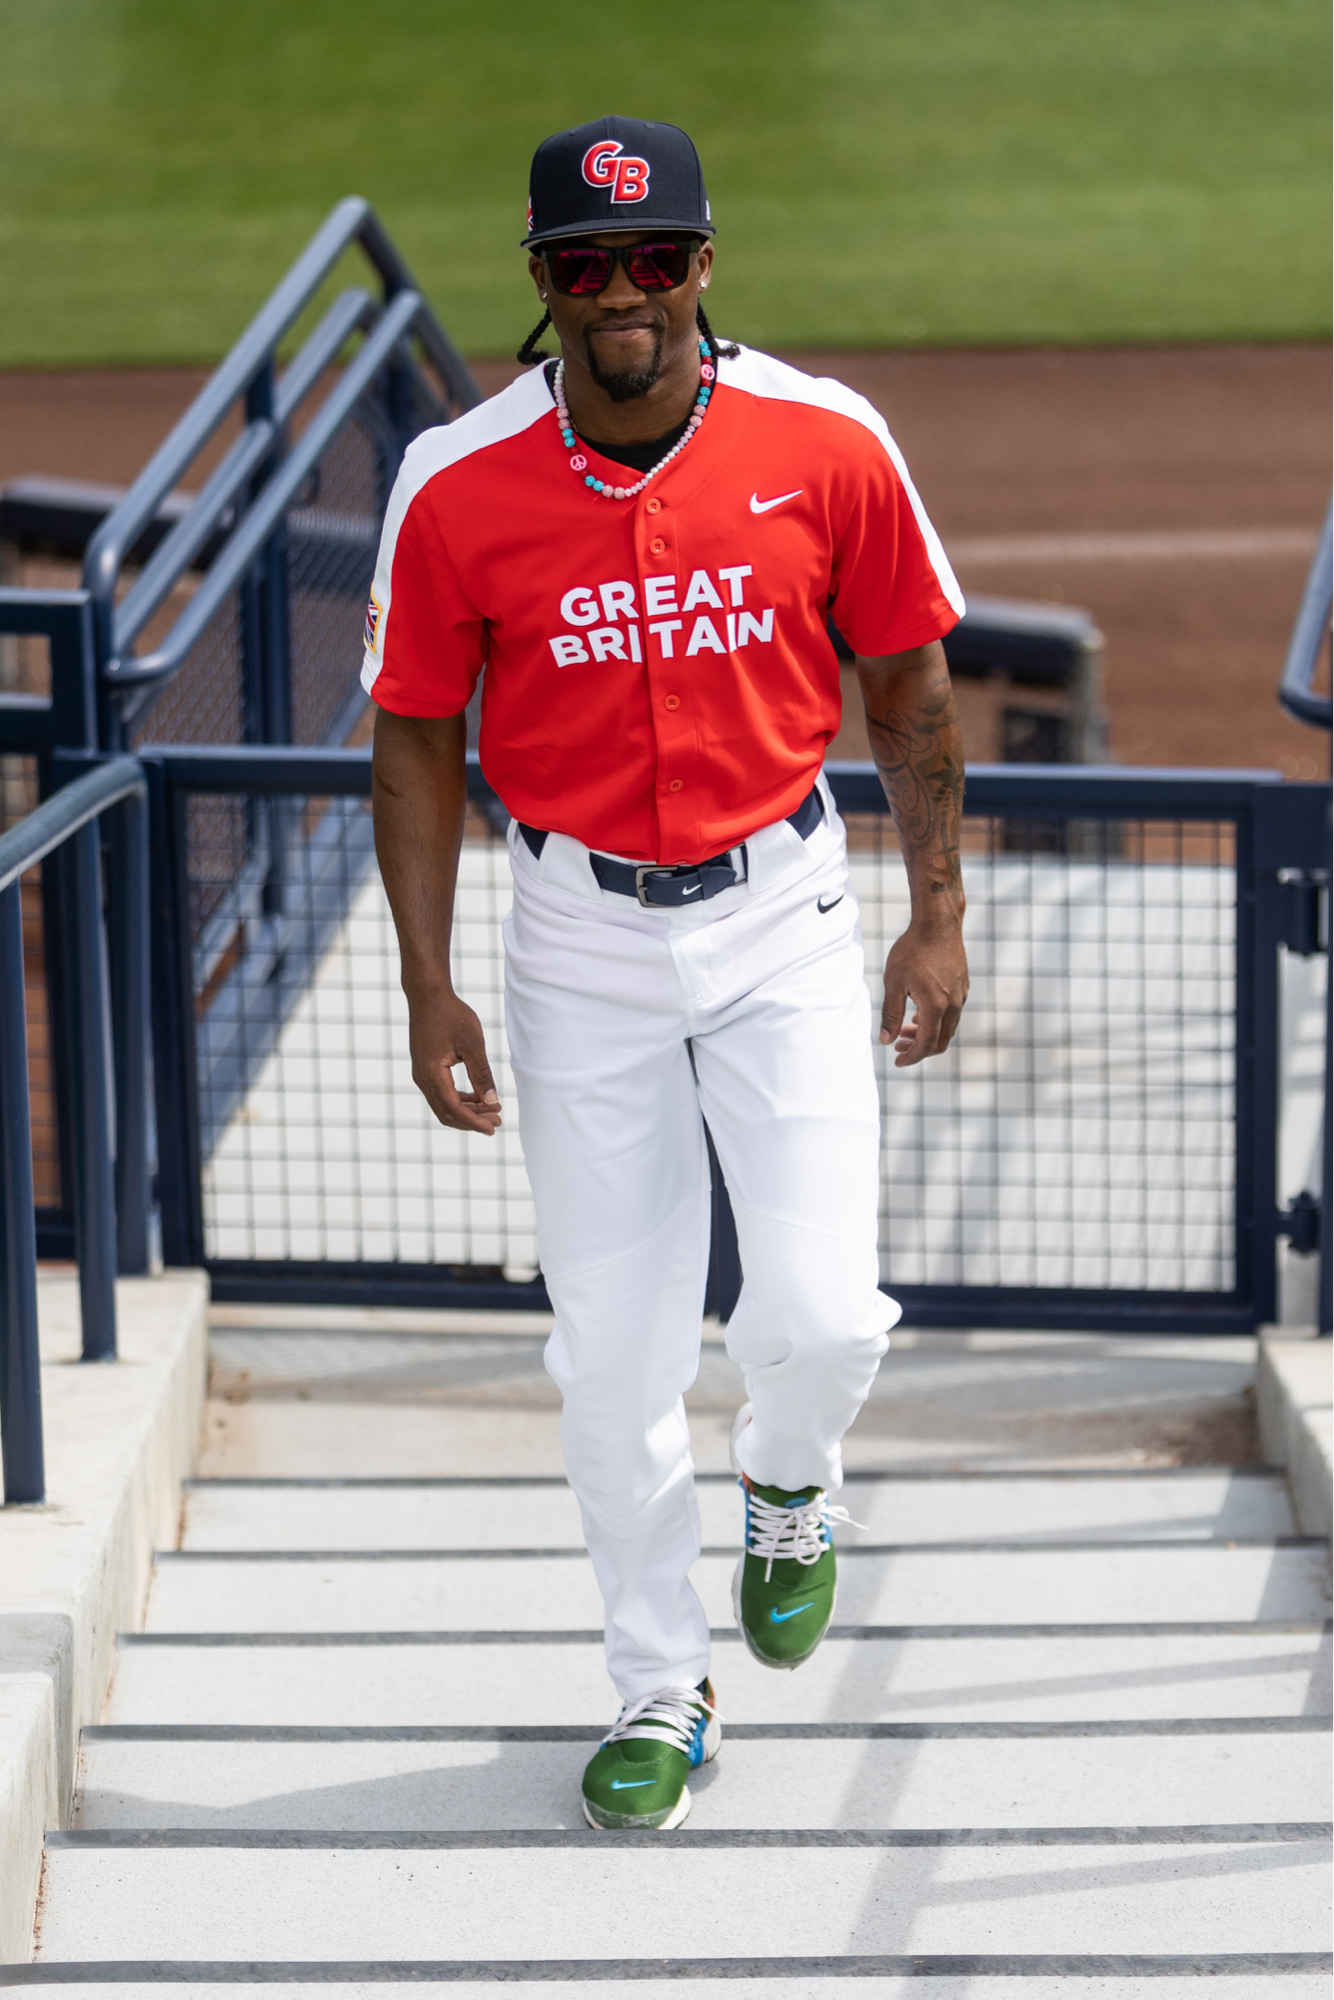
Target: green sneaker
point(786, 1583)
point(638, 1773)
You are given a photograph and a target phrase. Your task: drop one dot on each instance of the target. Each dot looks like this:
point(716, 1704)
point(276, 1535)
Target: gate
point(1096, 1151)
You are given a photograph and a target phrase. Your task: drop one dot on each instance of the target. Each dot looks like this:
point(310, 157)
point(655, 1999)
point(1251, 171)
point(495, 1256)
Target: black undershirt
point(640, 457)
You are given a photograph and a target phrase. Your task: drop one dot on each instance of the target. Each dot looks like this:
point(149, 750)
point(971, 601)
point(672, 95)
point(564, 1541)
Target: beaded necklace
point(578, 462)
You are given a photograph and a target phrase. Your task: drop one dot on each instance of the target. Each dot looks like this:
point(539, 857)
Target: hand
point(928, 966)
point(443, 1031)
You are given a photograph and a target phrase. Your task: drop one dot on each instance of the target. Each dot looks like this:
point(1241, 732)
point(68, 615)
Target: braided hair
point(728, 349)
point(530, 351)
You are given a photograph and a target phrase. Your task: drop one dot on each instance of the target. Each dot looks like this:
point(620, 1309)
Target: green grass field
point(883, 172)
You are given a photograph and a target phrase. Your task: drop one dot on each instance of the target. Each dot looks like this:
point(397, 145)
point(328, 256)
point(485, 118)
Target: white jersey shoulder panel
point(507, 415)
point(761, 375)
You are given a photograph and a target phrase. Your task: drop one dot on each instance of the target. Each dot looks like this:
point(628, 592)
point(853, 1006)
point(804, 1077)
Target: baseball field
point(1075, 250)
point(884, 173)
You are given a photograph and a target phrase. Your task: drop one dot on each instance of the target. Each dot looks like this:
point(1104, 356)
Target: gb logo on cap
point(625, 174)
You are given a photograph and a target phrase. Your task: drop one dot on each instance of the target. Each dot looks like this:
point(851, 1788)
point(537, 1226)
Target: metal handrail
point(51, 823)
point(1094, 790)
point(350, 310)
point(1309, 635)
point(352, 221)
point(69, 820)
point(145, 673)
point(178, 549)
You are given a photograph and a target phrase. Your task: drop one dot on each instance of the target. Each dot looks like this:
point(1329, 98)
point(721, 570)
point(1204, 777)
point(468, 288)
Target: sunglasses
point(583, 270)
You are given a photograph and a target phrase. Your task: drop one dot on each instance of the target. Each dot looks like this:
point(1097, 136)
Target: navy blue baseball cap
point(617, 173)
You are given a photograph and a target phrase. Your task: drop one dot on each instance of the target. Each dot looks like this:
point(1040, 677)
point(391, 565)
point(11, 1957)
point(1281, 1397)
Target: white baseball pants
point(625, 1024)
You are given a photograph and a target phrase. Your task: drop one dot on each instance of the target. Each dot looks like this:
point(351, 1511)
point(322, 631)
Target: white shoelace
point(793, 1534)
point(669, 1716)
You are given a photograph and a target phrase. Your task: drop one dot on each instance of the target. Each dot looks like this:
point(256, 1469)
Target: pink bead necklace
point(578, 462)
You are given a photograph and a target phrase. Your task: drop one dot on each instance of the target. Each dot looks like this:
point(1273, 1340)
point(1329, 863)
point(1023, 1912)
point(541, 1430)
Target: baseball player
point(639, 545)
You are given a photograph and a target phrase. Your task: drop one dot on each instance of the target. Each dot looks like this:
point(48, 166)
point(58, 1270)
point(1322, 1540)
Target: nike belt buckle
point(642, 874)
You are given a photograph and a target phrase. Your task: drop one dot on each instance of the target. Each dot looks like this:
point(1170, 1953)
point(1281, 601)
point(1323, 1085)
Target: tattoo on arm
point(918, 752)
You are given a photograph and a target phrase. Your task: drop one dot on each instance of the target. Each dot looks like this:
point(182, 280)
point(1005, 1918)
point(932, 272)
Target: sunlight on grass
point(882, 171)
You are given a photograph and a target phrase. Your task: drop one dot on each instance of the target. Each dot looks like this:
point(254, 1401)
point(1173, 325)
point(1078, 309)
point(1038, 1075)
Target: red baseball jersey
point(659, 680)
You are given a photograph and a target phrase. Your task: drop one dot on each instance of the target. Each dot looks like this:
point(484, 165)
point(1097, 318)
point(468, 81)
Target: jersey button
point(675, 785)
point(672, 701)
point(653, 506)
point(657, 547)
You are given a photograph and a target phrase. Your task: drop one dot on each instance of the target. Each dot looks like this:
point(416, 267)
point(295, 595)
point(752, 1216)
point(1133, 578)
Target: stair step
point(794, 1782)
point(679, 1896)
point(1204, 1505)
point(549, 1593)
point(906, 1976)
point(1070, 1677)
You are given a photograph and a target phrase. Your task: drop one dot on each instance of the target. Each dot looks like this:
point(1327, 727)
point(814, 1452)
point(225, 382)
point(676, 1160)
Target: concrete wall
point(119, 1440)
point(1294, 1388)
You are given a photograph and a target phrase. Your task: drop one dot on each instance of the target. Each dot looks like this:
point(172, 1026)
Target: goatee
point(629, 384)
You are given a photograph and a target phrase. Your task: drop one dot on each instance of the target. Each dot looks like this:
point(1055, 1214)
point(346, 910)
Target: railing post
point(130, 1025)
point(20, 1373)
point(1257, 1068)
point(267, 648)
point(266, 637)
point(90, 1055)
point(175, 1075)
point(55, 895)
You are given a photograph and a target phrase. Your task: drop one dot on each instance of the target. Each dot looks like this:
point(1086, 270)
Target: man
point(642, 543)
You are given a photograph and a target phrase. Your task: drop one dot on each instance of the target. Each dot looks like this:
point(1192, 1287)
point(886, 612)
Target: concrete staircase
point(1069, 1737)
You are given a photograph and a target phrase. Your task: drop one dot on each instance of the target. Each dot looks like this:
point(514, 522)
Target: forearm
point(419, 796)
point(918, 751)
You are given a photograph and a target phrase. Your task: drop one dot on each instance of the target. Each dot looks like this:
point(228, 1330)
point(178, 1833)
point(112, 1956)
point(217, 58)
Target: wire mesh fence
point(333, 536)
point(205, 701)
point(236, 685)
point(317, 1144)
point(1080, 1133)
point(328, 549)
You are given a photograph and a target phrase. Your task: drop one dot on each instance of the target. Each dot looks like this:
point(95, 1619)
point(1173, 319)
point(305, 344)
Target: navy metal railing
point(1150, 854)
point(1076, 829)
point(1311, 637)
point(263, 471)
point(106, 1010)
point(260, 527)
point(233, 613)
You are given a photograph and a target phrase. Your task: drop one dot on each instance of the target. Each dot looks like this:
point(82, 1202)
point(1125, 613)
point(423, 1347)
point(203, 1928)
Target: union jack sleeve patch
point(372, 623)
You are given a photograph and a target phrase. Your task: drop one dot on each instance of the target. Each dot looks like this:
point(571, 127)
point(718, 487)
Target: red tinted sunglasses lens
point(579, 272)
point(653, 267)
point(658, 267)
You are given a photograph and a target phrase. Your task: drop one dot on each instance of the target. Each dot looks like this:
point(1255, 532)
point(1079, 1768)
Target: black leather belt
point(666, 888)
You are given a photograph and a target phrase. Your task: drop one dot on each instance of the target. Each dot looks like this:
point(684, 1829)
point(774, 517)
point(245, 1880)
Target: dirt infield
point(1174, 492)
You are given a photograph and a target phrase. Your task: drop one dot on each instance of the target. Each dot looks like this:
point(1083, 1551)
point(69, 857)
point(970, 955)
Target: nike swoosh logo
point(758, 506)
point(635, 1784)
point(781, 1617)
point(824, 908)
point(693, 890)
